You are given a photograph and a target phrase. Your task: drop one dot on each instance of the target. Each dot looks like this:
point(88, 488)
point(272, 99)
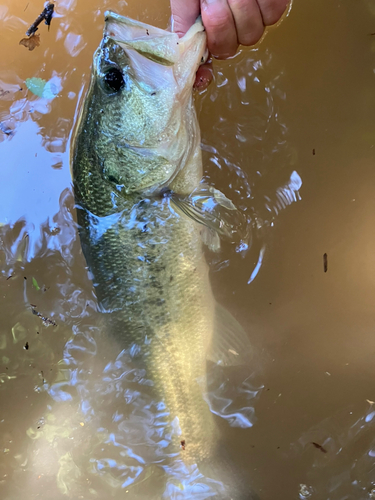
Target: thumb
point(184, 14)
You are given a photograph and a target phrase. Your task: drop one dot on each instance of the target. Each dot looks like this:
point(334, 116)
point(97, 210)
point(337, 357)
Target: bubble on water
point(372, 493)
point(285, 195)
point(74, 44)
point(186, 481)
point(66, 6)
point(369, 417)
point(67, 475)
point(258, 265)
point(3, 341)
point(18, 332)
point(231, 398)
point(56, 145)
point(3, 11)
point(12, 23)
point(305, 491)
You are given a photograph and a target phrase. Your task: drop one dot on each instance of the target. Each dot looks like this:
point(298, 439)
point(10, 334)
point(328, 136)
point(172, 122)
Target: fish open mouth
point(158, 45)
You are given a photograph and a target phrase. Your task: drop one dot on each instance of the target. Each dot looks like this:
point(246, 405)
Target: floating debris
point(47, 321)
point(35, 284)
point(183, 444)
point(30, 42)
point(305, 491)
point(325, 262)
point(46, 16)
point(41, 88)
point(26, 346)
point(319, 447)
point(5, 129)
point(33, 39)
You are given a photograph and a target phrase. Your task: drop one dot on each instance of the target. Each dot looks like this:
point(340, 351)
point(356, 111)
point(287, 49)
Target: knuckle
point(179, 25)
point(272, 10)
point(239, 5)
point(252, 37)
point(230, 52)
point(218, 23)
point(220, 51)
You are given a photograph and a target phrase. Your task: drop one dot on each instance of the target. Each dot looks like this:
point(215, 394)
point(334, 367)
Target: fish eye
point(114, 80)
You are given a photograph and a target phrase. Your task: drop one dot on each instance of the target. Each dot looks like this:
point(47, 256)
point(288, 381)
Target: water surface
point(288, 134)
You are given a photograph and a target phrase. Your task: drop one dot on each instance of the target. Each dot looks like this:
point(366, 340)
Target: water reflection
point(345, 468)
point(94, 423)
point(78, 419)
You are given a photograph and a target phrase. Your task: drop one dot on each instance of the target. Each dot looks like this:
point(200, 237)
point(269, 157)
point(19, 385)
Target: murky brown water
point(288, 134)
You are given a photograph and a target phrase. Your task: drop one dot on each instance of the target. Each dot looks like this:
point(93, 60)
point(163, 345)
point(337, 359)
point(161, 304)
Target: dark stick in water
point(46, 15)
point(319, 447)
point(325, 262)
point(45, 319)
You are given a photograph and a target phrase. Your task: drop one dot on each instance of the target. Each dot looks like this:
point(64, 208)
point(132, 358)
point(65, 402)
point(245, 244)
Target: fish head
point(138, 127)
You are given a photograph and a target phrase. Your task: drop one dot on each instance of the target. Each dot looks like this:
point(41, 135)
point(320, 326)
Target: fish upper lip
point(110, 15)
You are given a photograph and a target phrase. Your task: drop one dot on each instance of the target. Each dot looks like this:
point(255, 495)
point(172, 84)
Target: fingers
point(229, 23)
point(248, 20)
point(184, 14)
point(272, 10)
point(220, 27)
point(203, 77)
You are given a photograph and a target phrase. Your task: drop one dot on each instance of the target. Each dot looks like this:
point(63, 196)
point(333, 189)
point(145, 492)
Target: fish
point(144, 220)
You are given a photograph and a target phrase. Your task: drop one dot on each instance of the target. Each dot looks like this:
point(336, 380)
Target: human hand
point(228, 24)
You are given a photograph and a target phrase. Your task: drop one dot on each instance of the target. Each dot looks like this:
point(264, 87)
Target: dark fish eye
point(114, 80)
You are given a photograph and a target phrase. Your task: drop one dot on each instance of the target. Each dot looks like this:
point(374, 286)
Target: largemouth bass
point(143, 215)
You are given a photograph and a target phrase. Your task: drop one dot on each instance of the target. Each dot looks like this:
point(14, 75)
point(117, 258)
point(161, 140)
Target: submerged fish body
point(136, 163)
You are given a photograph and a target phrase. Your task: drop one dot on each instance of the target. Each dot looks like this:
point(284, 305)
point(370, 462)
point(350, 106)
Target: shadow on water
point(286, 125)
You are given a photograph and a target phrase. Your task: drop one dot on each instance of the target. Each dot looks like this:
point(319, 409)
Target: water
point(288, 135)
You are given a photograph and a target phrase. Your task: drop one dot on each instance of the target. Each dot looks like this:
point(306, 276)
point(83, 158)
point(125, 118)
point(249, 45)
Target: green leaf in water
point(35, 284)
point(41, 88)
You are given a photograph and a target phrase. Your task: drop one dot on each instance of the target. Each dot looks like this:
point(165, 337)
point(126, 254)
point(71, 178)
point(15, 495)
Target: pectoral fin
point(230, 344)
point(211, 208)
point(210, 238)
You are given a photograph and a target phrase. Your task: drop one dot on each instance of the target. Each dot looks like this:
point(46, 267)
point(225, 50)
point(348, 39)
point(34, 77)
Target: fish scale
point(161, 291)
point(136, 168)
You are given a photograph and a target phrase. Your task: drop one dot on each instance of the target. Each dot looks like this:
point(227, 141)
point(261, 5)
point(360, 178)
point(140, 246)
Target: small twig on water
point(45, 16)
point(46, 321)
point(319, 447)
